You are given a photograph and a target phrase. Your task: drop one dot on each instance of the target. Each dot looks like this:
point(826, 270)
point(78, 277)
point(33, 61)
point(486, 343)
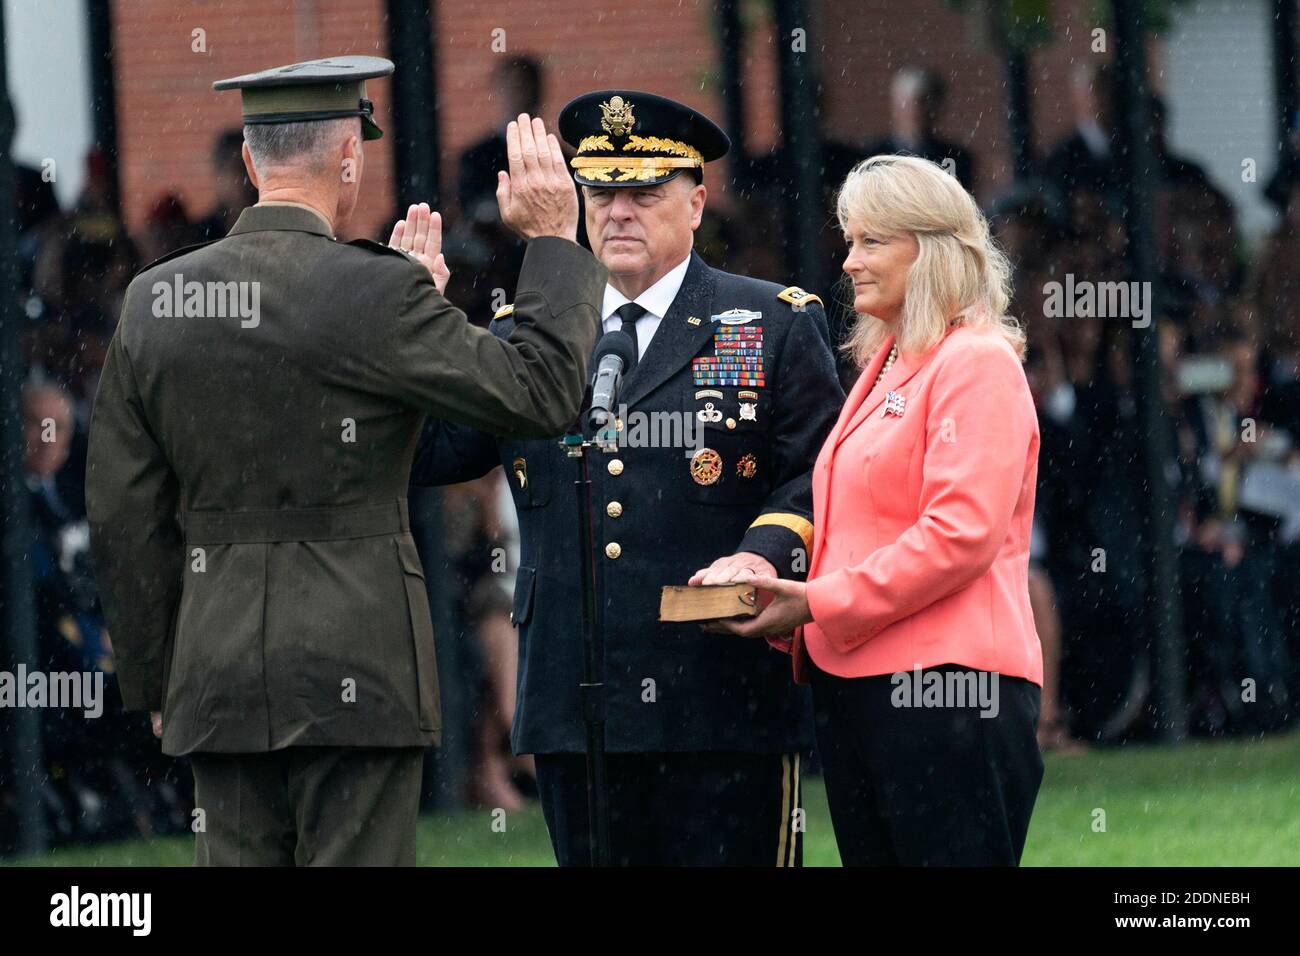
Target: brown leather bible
point(708, 603)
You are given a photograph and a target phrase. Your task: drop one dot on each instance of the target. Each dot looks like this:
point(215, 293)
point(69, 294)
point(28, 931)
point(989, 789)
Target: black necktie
point(631, 314)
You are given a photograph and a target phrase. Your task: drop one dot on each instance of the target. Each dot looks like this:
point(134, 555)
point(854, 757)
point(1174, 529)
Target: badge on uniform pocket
point(709, 414)
point(706, 466)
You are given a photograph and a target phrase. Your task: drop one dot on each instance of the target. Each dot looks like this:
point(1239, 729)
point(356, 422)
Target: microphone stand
point(604, 430)
point(592, 688)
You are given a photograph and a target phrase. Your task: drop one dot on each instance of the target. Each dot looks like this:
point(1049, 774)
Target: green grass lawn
point(1233, 803)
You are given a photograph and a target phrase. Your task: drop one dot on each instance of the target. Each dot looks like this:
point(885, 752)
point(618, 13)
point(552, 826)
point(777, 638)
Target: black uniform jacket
point(670, 687)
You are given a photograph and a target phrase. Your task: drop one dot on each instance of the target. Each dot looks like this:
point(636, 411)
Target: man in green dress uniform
point(249, 456)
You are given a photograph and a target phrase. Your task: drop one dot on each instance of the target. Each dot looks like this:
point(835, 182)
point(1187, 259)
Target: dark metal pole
point(103, 92)
point(1018, 115)
point(20, 726)
point(1284, 69)
point(413, 140)
point(730, 40)
point(416, 147)
point(801, 153)
point(1137, 172)
point(592, 689)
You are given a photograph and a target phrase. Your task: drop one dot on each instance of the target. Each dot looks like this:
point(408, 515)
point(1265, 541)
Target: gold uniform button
point(615, 466)
point(613, 509)
point(613, 550)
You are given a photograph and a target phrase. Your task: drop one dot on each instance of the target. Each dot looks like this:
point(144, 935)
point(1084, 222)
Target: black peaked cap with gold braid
point(331, 88)
point(630, 138)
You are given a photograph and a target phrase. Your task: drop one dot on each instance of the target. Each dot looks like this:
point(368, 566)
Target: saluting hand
point(537, 196)
point(419, 235)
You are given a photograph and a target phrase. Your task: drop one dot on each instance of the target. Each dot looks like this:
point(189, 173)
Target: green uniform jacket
point(250, 450)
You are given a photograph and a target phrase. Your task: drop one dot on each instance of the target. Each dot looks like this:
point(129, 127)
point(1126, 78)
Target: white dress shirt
point(656, 301)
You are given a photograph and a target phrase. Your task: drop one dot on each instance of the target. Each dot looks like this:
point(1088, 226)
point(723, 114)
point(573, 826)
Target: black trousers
point(308, 806)
point(928, 785)
point(679, 809)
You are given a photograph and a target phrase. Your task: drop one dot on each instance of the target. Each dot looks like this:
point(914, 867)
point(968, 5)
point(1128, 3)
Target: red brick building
point(168, 114)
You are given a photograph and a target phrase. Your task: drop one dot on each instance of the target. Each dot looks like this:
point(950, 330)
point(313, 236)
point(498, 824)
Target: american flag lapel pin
point(894, 403)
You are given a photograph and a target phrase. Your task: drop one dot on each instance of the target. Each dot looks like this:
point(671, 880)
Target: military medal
point(748, 412)
point(706, 466)
point(747, 467)
point(894, 403)
point(521, 472)
point(737, 357)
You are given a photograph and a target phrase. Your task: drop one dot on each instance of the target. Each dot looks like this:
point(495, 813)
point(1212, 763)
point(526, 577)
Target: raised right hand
point(419, 235)
point(537, 196)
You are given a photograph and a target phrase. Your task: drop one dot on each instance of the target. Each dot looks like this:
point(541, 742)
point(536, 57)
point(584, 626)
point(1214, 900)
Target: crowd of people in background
point(1226, 318)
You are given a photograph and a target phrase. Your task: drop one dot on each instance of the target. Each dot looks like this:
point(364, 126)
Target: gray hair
point(306, 144)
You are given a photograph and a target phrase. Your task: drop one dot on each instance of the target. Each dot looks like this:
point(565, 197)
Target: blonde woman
point(914, 626)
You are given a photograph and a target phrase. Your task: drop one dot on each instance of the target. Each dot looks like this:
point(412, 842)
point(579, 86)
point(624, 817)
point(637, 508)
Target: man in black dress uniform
point(735, 376)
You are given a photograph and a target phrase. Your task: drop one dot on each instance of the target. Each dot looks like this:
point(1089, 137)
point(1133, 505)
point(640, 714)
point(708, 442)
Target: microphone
point(615, 357)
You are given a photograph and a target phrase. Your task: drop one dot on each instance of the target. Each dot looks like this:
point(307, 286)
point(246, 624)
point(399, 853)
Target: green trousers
point(308, 806)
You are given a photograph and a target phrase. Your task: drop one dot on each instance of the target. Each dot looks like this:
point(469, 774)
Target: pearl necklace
point(889, 363)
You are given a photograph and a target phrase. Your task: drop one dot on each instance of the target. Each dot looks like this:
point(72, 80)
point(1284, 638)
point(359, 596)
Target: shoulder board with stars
point(505, 310)
point(798, 298)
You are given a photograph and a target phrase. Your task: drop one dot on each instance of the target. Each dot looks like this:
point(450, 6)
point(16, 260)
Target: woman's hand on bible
point(787, 609)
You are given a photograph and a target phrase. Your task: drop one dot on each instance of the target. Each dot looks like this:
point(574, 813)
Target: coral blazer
point(921, 519)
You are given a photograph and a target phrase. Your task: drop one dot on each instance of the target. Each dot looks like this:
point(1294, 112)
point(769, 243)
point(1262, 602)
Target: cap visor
point(582, 180)
point(369, 130)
